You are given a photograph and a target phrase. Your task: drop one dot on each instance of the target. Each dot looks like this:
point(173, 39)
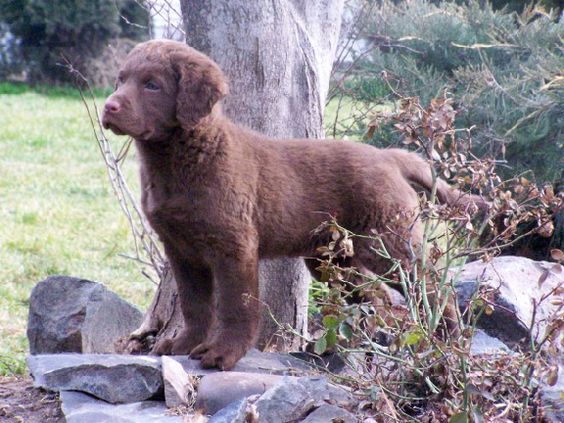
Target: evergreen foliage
point(77, 29)
point(520, 5)
point(503, 68)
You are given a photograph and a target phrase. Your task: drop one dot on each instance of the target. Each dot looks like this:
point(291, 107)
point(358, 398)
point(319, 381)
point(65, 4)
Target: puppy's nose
point(112, 106)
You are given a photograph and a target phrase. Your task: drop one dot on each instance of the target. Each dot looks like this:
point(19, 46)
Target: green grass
point(352, 117)
point(57, 211)
point(56, 91)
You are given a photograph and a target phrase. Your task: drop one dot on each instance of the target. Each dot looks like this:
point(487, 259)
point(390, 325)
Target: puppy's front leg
point(237, 312)
point(194, 284)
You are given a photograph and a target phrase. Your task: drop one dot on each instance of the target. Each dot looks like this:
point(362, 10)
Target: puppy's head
point(163, 85)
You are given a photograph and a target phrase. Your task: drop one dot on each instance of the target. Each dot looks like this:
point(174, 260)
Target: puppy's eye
point(152, 86)
point(119, 81)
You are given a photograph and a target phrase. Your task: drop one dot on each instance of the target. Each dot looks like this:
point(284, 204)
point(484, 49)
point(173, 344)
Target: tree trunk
point(277, 56)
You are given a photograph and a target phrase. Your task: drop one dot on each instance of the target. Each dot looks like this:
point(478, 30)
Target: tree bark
point(278, 57)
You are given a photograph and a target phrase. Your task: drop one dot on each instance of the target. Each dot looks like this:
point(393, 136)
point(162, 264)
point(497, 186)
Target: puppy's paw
point(162, 347)
point(224, 356)
point(181, 344)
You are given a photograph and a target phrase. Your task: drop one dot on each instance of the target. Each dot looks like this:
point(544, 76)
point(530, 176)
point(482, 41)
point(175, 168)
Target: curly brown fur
point(221, 197)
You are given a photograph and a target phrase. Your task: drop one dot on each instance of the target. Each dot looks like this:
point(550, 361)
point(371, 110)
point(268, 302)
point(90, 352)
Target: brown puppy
point(221, 197)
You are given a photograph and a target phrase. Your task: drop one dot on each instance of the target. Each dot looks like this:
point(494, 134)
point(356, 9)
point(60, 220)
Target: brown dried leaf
point(546, 230)
point(543, 277)
point(552, 376)
point(557, 255)
point(371, 131)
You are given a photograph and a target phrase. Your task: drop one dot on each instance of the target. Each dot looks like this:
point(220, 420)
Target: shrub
point(77, 29)
point(400, 360)
point(505, 70)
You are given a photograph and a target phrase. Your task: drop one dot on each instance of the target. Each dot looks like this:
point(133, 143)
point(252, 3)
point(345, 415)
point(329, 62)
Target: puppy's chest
point(177, 212)
point(161, 204)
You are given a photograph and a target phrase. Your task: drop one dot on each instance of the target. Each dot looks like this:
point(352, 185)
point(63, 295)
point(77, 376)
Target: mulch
point(20, 402)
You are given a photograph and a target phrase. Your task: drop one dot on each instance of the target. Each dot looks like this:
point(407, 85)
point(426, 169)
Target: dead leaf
point(557, 255)
point(552, 376)
point(543, 277)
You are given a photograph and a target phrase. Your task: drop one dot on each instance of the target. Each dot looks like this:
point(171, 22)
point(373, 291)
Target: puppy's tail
point(418, 171)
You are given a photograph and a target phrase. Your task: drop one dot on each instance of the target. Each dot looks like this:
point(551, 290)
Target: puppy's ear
point(201, 84)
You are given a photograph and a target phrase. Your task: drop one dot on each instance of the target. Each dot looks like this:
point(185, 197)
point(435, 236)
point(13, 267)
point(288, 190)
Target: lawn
point(58, 213)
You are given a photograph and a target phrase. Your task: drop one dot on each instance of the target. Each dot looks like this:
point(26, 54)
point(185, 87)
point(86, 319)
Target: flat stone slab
point(112, 378)
point(253, 362)
point(82, 408)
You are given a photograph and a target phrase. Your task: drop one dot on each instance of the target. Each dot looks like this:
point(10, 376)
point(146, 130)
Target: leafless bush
point(147, 250)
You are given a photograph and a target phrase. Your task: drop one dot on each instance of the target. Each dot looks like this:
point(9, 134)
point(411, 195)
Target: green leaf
point(461, 417)
point(320, 345)
point(330, 321)
point(412, 338)
point(345, 331)
point(488, 310)
point(331, 337)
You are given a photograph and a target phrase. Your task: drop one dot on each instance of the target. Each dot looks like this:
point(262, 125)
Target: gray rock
point(256, 361)
point(217, 390)
point(239, 411)
point(482, 343)
point(292, 399)
point(553, 406)
point(179, 385)
point(82, 408)
point(518, 282)
point(332, 361)
point(113, 378)
point(253, 362)
point(179, 371)
point(328, 413)
point(551, 398)
point(75, 315)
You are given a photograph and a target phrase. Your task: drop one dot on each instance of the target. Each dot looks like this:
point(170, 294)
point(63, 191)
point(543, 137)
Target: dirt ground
point(20, 402)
